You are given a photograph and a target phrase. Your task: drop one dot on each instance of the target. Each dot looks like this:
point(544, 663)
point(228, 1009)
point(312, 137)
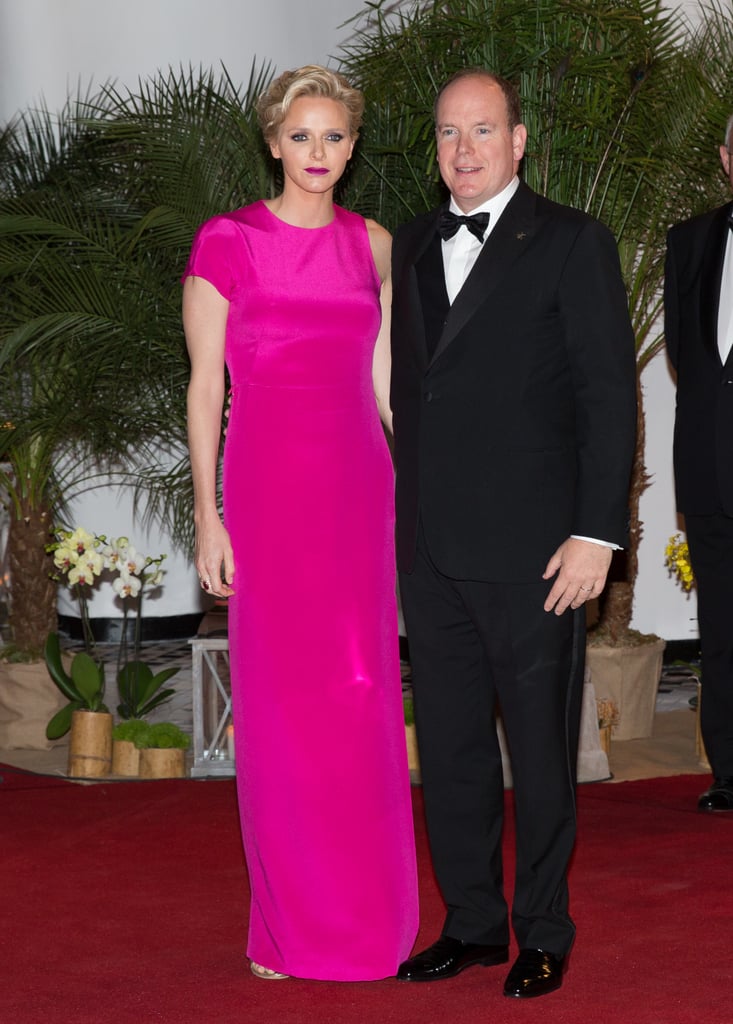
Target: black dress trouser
point(711, 554)
point(474, 645)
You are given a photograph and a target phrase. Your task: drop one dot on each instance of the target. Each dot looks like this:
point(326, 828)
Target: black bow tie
point(450, 222)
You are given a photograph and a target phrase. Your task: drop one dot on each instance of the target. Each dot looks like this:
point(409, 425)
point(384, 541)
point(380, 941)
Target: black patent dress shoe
point(448, 957)
point(718, 798)
point(535, 973)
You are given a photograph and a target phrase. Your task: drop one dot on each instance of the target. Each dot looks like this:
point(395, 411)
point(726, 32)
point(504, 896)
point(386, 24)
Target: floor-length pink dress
point(308, 489)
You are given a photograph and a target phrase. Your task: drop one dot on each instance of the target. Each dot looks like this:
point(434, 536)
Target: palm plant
point(97, 210)
point(620, 99)
point(58, 387)
point(99, 205)
point(182, 148)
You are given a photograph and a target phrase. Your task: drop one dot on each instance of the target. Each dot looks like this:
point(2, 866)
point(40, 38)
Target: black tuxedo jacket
point(703, 435)
point(519, 429)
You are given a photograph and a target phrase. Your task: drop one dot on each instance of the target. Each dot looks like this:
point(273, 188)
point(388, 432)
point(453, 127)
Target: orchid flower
point(83, 558)
point(126, 585)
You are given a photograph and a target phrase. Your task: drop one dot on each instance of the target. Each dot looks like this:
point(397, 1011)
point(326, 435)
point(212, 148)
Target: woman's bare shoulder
point(380, 241)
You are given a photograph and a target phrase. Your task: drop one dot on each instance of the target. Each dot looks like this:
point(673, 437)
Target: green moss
point(409, 707)
point(165, 735)
point(130, 730)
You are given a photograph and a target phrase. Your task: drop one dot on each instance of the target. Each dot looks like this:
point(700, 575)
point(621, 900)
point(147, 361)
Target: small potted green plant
point(162, 746)
point(140, 693)
point(125, 752)
point(86, 714)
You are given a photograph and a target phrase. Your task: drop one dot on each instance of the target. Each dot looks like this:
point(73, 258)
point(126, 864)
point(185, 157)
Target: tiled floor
point(677, 689)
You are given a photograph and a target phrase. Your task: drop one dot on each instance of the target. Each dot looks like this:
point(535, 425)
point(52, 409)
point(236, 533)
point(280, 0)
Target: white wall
point(660, 605)
point(48, 46)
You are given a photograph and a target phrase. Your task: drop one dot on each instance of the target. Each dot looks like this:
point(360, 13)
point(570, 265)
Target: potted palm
point(55, 265)
point(32, 487)
point(64, 416)
point(98, 206)
point(183, 147)
point(619, 99)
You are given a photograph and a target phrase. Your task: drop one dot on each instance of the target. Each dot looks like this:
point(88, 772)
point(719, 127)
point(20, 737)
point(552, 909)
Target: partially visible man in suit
point(514, 401)
point(698, 323)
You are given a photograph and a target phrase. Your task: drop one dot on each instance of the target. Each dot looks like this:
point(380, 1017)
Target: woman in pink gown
point(292, 293)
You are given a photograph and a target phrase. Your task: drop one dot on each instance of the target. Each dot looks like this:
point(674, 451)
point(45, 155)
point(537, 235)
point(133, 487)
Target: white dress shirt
point(725, 309)
point(461, 251)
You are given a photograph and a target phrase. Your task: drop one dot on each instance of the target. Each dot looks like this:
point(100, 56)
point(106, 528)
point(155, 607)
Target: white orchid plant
point(83, 559)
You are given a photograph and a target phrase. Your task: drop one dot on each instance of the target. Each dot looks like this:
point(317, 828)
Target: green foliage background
point(625, 104)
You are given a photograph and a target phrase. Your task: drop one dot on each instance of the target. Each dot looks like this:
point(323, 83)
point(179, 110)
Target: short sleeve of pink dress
point(210, 256)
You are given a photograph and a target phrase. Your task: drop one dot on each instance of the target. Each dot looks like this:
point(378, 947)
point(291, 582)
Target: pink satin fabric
point(308, 500)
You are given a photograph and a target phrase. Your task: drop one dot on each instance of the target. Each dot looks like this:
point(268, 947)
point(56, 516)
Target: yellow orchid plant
point(677, 560)
point(83, 559)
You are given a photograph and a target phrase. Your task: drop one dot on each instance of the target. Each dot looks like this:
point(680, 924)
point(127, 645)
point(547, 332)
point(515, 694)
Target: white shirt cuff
point(594, 540)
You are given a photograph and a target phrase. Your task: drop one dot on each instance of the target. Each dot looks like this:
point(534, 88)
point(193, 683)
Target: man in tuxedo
point(698, 322)
point(513, 391)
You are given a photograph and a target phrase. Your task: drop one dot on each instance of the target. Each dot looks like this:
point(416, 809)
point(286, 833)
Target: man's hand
point(581, 567)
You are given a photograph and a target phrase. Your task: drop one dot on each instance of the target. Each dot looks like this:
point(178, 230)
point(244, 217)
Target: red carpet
point(126, 903)
point(18, 778)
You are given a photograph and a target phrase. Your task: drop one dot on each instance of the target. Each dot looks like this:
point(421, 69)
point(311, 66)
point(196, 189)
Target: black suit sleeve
point(601, 348)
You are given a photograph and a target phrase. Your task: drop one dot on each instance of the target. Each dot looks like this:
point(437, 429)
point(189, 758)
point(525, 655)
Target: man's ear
point(519, 141)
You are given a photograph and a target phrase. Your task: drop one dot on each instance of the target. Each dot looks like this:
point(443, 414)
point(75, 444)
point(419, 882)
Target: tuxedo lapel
point(508, 240)
point(407, 286)
point(711, 278)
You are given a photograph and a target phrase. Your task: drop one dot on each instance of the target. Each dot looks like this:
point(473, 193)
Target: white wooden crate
point(213, 749)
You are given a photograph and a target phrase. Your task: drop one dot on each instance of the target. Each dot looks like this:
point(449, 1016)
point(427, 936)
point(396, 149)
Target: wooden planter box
point(413, 755)
point(125, 758)
point(157, 763)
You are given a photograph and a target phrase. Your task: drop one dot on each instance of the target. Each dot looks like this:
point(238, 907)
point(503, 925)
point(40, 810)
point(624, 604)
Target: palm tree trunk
point(32, 590)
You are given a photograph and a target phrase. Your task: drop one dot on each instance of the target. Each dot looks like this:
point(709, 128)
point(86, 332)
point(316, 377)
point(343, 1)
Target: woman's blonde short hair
point(312, 80)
